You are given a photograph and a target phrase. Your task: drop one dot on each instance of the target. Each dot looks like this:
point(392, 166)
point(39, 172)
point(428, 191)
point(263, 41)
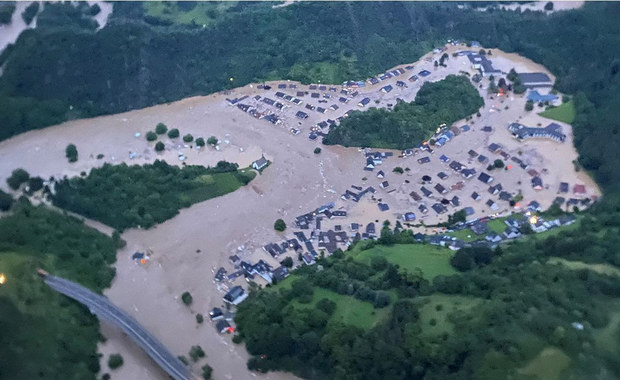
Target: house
point(579, 189)
point(370, 228)
point(424, 160)
point(487, 128)
point(469, 211)
point(424, 73)
point(465, 128)
point(559, 201)
point(455, 201)
point(439, 208)
point(468, 173)
point(456, 166)
point(355, 226)
point(492, 205)
point(383, 206)
point(440, 189)
point(308, 259)
point(458, 186)
point(537, 183)
point(442, 175)
point(235, 295)
point(301, 114)
point(479, 228)
point(566, 220)
point(494, 147)
point(475, 196)
point(472, 153)
point(408, 217)
point(484, 65)
point(413, 78)
point(485, 178)
point(534, 206)
point(384, 184)
point(505, 196)
point(493, 237)
point(387, 89)
point(495, 189)
point(425, 191)
point(483, 159)
point(380, 174)
point(443, 158)
point(321, 109)
point(222, 326)
point(563, 187)
point(364, 102)
point(552, 131)
point(216, 313)
point(400, 83)
point(536, 97)
point(415, 196)
point(260, 164)
point(533, 80)
point(373, 80)
point(427, 179)
point(423, 209)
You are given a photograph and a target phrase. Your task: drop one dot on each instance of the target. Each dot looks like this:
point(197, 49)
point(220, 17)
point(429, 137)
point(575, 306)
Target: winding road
point(105, 310)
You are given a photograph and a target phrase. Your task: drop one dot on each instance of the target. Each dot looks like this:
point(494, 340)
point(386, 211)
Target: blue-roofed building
point(444, 158)
point(383, 206)
point(465, 128)
point(424, 73)
point(536, 97)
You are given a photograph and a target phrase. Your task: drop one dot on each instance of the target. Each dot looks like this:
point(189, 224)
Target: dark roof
point(528, 79)
point(484, 177)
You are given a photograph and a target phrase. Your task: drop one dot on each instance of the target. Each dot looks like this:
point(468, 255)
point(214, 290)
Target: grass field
point(203, 13)
point(548, 365)
point(565, 112)
point(435, 310)
point(606, 338)
point(598, 268)
point(431, 260)
point(349, 310)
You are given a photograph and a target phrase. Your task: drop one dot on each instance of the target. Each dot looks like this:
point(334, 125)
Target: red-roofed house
point(579, 189)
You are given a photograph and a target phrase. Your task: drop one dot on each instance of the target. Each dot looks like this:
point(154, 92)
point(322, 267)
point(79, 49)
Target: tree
point(6, 201)
point(188, 138)
point(35, 184)
point(326, 305)
point(498, 163)
point(287, 262)
point(207, 372)
point(458, 217)
point(200, 142)
point(512, 75)
point(151, 136)
point(398, 170)
point(317, 150)
point(196, 353)
point(529, 105)
point(279, 225)
point(199, 318)
point(30, 11)
point(71, 152)
point(160, 146)
point(115, 361)
point(18, 176)
point(187, 298)
point(161, 128)
point(212, 140)
point(173, 133)
point(549, 6)
point(436, 64)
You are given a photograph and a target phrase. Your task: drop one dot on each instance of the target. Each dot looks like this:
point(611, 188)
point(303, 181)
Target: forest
point(44, 334)
point(490, 322)
point(408, 124)
point(123, 196)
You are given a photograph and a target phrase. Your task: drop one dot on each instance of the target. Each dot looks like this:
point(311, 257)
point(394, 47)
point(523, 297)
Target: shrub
point(35, 183)
point(18, 176)
point(200, 141)
point(115, 361)
point(161, 128)
point(207, 372)
point(187, 298)
point(173, 133)
point(287, 262)
point(159, 146)
point(188, 138)
point(326, 305)
point(398, 170)
point(212, 140)
point(498, 163)
point(317, 150)
point(549, 6)
point(529, 105)
point(199, 318)
point(279, 225)
point(71, 153)
point(151, 136)
point(196, 353)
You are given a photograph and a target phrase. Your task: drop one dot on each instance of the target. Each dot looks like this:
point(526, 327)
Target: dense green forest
point(408, 124)
point(125, 196)
point(44, 334)
point(491, 322)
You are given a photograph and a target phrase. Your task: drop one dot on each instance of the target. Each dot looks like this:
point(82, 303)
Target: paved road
point(104, 309)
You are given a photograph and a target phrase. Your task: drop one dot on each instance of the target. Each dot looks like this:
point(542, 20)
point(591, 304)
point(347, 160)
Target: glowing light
point(533, 219)
point(143, 261)
point(232, 79)
point(2, 278)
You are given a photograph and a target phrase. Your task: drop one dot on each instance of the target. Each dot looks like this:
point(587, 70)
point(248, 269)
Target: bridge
point(105, 310)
